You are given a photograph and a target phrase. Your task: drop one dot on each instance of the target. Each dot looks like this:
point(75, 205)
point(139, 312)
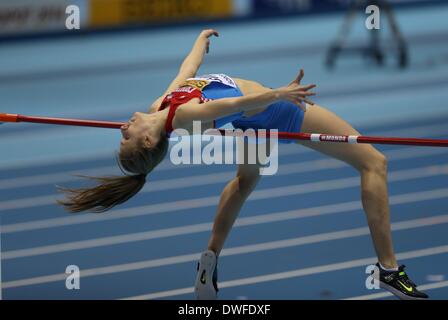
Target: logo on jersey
point(198, 84)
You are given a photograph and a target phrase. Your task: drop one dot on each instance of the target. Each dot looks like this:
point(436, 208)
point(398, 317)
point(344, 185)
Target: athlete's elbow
point(188, 70)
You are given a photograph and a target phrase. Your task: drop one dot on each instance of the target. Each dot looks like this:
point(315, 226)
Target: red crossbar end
point(8, 117)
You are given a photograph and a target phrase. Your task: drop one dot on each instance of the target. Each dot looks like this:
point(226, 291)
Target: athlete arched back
point(218, 99)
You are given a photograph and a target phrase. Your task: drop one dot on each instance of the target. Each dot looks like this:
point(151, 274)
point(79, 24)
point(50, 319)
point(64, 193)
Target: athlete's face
point(137, 133)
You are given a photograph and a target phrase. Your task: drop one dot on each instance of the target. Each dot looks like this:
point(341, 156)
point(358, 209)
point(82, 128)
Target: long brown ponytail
point(112, 191)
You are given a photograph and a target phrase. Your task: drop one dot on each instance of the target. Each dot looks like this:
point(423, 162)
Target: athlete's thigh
point(320, 120)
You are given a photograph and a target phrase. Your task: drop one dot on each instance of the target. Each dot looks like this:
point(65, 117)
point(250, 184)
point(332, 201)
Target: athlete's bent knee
point(247, 183)
point(376, 163)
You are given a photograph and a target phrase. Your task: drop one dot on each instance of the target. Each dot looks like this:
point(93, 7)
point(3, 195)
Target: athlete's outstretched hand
point(205, 35)
point(297, 93)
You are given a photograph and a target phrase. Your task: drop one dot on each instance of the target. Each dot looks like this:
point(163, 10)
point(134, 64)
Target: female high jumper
point(219, 99)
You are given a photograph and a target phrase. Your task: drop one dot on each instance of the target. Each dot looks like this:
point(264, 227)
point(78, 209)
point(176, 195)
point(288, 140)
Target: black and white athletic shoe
point(399, 284)
point(206, 285)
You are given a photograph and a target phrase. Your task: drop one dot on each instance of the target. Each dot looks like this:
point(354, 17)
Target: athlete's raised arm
point(193, 61)
point(190, 65)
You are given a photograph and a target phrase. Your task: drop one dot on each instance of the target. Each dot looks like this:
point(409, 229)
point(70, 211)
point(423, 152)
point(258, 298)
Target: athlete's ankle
point(389, 266)
point(214, 250)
